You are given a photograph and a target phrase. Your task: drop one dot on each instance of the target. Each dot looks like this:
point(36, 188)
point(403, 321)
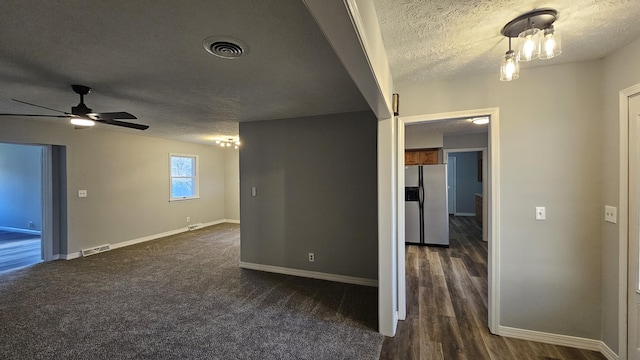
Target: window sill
point(184, 198)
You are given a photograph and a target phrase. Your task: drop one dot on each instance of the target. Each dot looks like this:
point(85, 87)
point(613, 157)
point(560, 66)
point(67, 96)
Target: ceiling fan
point(82, 116)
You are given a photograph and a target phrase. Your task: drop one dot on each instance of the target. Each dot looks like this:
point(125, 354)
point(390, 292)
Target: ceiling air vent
point(225, 47)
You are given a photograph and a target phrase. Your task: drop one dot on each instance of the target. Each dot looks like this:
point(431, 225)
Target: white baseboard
point(557, 339)
point(310, 274)
point(232, 221)
point(608, 353)
point(465, 214)
point(78, 254)
point(70, 256)
point(21, 231)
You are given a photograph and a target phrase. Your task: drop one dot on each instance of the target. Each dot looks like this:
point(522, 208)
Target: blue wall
point(20, 187)
point(467, 184)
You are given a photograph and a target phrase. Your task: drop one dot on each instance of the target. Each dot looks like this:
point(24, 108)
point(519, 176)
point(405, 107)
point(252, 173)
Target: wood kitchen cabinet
point(421, 157)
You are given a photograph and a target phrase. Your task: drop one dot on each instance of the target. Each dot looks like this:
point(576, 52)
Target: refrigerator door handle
point(421, 196)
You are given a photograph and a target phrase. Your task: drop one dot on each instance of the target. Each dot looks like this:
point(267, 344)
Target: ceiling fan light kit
point(536, 37)
point(82, 122)
point(83, 116)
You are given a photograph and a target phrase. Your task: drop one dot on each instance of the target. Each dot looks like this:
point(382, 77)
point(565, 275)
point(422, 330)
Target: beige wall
point(621, 71)
point(550, 138)
point(127, 179)
point(419, 136)
point(466, 141)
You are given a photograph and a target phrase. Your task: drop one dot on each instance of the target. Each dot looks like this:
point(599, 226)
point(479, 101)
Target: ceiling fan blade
point(34, 115)
point(113, 115)
point(40, 106)
point(124, 124)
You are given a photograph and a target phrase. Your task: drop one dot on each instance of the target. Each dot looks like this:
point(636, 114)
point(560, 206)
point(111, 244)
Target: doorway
point(491, 170)
point(470, 188)
point(21, 205)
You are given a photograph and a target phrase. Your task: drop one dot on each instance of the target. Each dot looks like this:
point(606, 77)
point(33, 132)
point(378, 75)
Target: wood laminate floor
point(18, 250)
point(447, 307)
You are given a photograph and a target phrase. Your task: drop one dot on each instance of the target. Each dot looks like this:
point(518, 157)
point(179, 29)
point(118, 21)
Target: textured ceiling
point(462, 126)
point(146, 57)
point(429, 40)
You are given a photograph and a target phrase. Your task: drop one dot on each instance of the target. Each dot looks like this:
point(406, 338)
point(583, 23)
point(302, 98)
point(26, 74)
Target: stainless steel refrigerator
point(426, 213)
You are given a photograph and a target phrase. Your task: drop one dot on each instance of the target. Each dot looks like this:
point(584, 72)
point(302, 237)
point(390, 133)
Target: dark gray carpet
point(181, 297)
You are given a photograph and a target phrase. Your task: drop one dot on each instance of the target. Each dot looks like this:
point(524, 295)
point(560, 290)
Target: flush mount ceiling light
point(228, 143)
point(480, 120)
point(536, 39)
point(225, 47)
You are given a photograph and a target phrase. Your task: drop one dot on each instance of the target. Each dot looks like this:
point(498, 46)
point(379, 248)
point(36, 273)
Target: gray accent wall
point(316, 191)
point(126, 175)
point(467, 184)
point(551, 271)
point(21, 186)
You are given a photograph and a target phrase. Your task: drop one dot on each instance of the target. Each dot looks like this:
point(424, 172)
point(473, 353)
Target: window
point(184, 177)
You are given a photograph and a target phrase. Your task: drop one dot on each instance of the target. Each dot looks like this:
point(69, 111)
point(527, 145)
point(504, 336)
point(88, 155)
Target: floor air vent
point(95, 250)
point(194, 226)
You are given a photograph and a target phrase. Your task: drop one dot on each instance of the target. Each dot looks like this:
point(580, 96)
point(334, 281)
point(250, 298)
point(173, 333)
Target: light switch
point(610, 214)
point(541, 213)
point(82, 193)
point(253, 191)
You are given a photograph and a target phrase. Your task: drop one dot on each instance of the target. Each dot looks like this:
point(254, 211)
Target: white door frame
point(623, 218)
point(400, 229)
point(493, 192)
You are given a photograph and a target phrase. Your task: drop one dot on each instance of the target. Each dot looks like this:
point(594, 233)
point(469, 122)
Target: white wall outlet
point(188, 219)
point(541, 213)
point(82, 193)
point(254, 192)
point(611, 214)
point(312, 257)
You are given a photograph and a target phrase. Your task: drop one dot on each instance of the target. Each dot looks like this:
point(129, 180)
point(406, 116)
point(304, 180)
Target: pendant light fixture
point(551, 45)
point(529, 43)
point(536, 36)
point(510, 68)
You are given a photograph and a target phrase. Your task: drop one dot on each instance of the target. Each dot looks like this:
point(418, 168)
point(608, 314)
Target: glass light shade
point(551, 45)
point(82, 122)
point(510, 68)
point(529, 44)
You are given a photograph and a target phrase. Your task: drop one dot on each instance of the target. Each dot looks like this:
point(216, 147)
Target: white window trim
point(196, 178)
